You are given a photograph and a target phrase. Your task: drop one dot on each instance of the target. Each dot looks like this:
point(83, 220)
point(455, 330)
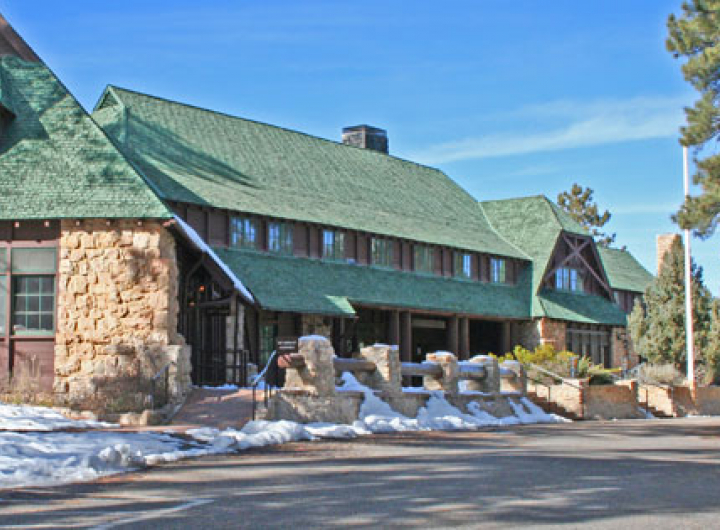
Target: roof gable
point(55, 161)
point(540, 228)
point(198, 156)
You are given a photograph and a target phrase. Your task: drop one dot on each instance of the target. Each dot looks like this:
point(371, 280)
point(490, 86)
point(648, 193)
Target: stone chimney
point(663, 244)
point(366, 137)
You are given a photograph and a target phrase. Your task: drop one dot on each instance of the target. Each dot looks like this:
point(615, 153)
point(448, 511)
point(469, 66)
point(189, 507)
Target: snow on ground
point(47, 458)
point(27, 418)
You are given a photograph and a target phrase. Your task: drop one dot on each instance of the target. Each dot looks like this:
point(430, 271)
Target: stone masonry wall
point(117, 313)
point(317, 325)
point(553, 332)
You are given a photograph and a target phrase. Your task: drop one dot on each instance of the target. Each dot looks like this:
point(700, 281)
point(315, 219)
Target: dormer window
point(568, 279)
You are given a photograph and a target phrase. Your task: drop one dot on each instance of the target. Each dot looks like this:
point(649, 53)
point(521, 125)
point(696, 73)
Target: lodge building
point(153, 232)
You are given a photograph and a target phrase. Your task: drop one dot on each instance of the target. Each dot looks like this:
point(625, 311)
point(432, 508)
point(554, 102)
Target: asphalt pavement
point(624, 474)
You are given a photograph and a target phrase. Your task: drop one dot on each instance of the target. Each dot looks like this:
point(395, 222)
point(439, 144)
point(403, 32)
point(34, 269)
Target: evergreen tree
point(578, 202)
point(712, 350)
point(657, 327)
point(695, 37)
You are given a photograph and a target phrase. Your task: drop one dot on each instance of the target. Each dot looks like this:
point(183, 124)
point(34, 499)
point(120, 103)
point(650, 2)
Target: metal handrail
point(555, 376)
point(266, 389)
point(153, 381)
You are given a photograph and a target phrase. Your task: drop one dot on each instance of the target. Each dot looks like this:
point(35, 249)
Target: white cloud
point(569, 125)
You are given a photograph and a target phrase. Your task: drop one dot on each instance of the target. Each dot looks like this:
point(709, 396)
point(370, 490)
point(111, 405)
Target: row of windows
point(245, 233)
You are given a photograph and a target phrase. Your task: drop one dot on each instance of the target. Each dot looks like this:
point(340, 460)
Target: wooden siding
point(214, 226)
point(300, 240)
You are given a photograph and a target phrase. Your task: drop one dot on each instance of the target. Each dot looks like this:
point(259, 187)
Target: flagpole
point(689, 338)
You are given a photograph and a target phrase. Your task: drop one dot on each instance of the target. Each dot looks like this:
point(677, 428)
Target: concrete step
point(551, 407)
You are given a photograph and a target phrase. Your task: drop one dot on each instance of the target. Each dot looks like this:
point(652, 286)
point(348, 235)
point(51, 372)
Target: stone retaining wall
point(117, 314)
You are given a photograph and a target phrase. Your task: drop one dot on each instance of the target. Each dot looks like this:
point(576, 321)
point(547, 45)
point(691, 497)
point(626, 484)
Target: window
point(243, 232)
point(33, 290)
point(280, 238)
point(423, 257)
point(382, 252)
point(568, 279)
point(463, 265)
point(333, 245)
point(497, 270)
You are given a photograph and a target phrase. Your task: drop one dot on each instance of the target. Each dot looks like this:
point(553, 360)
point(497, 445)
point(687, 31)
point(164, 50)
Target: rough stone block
point(387, 376)
point(448, 381)
point(317, 375)
point(491, 383)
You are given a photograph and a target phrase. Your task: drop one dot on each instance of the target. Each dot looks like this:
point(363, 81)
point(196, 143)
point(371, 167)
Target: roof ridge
point(265, 124)
point(492, 227)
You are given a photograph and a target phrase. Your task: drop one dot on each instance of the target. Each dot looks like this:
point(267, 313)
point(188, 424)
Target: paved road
point(625, 474)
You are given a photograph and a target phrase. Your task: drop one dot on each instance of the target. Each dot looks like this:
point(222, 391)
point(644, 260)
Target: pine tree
point(657, 326)
point(712, 350)
point(695, 36)
point(578, 202)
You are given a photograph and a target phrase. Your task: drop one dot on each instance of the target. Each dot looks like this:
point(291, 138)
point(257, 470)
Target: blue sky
point(507, 101)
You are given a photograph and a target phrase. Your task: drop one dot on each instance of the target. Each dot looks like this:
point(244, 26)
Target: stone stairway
point(551, 407)
point(655, 412)
point(220, 409)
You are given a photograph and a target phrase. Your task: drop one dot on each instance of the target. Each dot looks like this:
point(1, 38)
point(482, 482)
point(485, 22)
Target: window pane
point(423, 258)
point(382, 252)
point(3, 259)
point(497, 269)
point(243, 232)
point(33, 312)
point(30, 260)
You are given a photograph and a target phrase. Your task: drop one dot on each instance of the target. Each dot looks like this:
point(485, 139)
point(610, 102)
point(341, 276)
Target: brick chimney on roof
point(366, 137)
point(663, 244)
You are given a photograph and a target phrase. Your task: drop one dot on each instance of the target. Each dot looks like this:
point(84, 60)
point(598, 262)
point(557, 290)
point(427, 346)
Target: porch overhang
point(303, 285)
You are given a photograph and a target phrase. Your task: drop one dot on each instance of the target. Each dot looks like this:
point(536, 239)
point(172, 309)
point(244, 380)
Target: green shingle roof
point(202, 157)
point(624, 271)
point(534, 224)
point(578, 307)
point(315, 286)
point(55, 161)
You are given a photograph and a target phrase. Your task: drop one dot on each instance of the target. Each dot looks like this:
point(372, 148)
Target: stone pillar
point(387, 375)
point(453, 334)
point(117, 314)
point(317, 375)
point(448, 381)
point(553, 332)
point(491, 383)
point(405, 337)
point(394, 328)
point(663, 244)
point(517, 383)
point(464, 350)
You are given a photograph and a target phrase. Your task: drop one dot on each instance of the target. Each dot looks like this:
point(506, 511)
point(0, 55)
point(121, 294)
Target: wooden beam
point(453, 335)
point(405, 336)
point(575, 251)
point(464, 352)
point(394, 328)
